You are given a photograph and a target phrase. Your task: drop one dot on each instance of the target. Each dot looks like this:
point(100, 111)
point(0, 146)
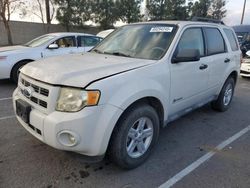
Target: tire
point(224, 100)
point(120, 140)
point(16, 70)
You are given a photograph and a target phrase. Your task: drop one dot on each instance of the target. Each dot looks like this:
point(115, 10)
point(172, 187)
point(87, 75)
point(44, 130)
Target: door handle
point(227, 60)
point(203, 66)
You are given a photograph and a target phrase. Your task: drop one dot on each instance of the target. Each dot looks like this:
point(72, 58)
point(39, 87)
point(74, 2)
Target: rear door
point(234, 49)
point(189, 80)
point(218, 57)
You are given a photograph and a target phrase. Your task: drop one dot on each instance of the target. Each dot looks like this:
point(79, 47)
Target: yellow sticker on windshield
point(161, 30)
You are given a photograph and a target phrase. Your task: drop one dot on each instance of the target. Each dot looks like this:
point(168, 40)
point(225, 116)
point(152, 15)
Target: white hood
point(12, 48)
point(79, 70)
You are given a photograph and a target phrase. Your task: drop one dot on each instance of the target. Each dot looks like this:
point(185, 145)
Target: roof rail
point(201, 19)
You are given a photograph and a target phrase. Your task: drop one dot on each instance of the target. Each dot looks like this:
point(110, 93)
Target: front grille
point(39, 95)
point(39, 90)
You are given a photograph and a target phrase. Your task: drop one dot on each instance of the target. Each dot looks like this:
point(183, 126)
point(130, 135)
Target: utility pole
point(243, 13)
point(47, 11)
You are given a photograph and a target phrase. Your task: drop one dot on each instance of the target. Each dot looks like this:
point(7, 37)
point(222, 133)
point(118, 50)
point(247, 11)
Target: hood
point(12, 48)
point(81, 69)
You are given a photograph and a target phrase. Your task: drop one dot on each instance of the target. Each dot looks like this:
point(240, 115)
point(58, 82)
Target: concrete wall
point(23, 32)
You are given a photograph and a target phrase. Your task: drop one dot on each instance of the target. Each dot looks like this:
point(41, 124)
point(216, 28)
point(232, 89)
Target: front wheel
point(225, 97)
point(16, 70)
point(134, 137)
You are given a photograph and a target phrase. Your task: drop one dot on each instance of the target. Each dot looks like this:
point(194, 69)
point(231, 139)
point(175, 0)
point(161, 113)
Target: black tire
point(219, 104)
point(15, 70)
point(118, 144)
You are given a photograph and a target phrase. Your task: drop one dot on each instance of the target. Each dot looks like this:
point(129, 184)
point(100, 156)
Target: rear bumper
point(91, 128)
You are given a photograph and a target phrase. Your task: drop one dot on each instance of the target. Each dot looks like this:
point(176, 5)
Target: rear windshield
point(144, 41)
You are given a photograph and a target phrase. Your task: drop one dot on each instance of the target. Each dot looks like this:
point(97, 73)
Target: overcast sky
point(234, 12)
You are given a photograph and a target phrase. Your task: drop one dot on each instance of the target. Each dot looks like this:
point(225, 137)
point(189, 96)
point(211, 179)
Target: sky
point(233, 15)
point(234, 12)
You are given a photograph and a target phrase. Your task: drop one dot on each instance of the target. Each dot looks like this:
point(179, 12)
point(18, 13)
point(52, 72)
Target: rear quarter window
point(215, 41)
point(232, 40)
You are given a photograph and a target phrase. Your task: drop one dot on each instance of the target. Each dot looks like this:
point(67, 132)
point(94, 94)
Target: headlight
point(73, 99)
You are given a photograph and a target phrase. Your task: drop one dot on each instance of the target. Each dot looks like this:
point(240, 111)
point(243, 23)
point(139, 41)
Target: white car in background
point(12, 58)
point(104, 33)
point(245, 66)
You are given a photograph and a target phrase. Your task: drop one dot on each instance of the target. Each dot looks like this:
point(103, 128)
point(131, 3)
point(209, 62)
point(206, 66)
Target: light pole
point(243, 13)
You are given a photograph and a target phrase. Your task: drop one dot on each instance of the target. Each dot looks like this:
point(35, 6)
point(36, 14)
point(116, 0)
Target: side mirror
point(248, 53)
point(53, 46)
point(186, 55)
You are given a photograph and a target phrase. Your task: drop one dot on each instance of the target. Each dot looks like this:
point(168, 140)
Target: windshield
point(144, 41)
point(40, 41)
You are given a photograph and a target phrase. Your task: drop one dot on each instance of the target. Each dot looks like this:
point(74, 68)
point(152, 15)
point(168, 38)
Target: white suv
point(116, 98)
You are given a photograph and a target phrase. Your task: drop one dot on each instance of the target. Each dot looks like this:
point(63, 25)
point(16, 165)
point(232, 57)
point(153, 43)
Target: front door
point(189, 80)
point(67, 45)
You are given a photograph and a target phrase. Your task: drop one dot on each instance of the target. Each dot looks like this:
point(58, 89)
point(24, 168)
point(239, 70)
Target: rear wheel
point(134, 137)
point(225, 97)
point(16, 70)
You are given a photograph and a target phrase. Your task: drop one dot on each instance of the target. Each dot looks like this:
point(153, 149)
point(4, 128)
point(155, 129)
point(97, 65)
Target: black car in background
point(243, 34)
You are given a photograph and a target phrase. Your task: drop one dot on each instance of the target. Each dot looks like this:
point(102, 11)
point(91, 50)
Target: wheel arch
point(151, 101)
point(234, 75)
point(18, 62)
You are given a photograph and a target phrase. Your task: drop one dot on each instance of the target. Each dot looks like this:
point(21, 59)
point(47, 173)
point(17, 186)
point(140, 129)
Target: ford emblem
point(28, 91)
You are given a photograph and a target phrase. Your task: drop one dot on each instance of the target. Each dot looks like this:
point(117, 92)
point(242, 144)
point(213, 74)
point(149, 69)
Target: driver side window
point(192, 39)
point(66, 42)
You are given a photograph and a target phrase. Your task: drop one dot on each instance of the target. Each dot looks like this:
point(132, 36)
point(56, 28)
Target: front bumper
point(5, 69)
point(91, 127)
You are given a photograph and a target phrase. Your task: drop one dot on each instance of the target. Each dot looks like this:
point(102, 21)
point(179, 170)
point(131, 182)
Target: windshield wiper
point(97, 51)
point(117, 54)
point(111, 53)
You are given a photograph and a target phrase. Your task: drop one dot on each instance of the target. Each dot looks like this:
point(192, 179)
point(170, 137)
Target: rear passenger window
point(215, 41)
point(88, 41)
point(232, 39)
point(192, 39)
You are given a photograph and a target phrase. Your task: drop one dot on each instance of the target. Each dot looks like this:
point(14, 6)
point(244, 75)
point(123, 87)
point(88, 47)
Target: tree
point(218, 10)
point(7, 7)
point(201, 8)
point(45, 12)
point(39, 9)
point(167, 9)
point(189, 9)
point(129, 11)
point(156, 9)
point(73, 12)
point(105, 13)
point(176, 10)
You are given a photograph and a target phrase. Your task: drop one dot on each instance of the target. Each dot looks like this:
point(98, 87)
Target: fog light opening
point(68, 138)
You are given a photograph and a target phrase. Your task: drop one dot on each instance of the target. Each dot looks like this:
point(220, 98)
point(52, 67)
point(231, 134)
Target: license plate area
point(23, 110)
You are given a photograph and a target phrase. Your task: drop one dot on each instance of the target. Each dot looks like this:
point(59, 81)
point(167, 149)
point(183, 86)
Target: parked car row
point(12, 58)
point(243, 35)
